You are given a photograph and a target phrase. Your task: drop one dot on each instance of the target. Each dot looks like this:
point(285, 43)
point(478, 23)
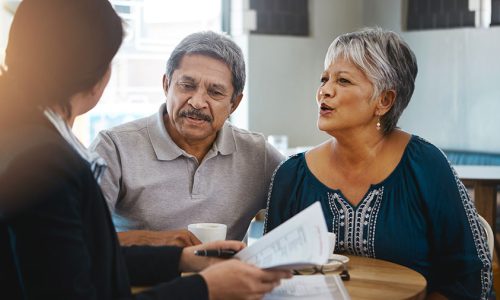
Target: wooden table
point(376, 279)
point(379, 279)
point(485, 181)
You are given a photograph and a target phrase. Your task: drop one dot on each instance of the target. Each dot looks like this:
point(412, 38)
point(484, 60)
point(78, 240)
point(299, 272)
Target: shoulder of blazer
point(21, 139)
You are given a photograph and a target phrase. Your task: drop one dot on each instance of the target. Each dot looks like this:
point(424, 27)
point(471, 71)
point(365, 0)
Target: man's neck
point(195, 148)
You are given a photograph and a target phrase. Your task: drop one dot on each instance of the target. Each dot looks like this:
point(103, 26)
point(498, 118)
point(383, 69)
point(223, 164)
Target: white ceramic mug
point(208, 232)
point(331, 242)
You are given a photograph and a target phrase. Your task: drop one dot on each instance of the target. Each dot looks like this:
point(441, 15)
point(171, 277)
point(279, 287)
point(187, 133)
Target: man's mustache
point(195, 114)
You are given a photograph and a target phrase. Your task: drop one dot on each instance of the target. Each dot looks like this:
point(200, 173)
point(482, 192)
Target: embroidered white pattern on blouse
point(480, 239)
point(269, 192)
point(356, 228)
point(479, 236)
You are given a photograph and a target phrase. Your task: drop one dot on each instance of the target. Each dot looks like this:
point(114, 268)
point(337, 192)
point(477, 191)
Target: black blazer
point(57, 240)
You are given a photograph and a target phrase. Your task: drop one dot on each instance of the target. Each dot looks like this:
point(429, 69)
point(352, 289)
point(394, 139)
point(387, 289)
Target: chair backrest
point(489, 234)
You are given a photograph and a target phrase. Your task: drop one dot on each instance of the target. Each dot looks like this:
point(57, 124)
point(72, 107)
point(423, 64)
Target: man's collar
point(163, 145)
point(225, 143)
point(166, 149)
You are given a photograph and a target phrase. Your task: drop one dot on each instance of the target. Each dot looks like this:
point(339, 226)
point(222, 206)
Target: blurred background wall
point(456, 103)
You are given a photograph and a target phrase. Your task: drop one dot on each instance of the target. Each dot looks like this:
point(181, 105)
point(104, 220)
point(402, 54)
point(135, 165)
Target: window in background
point(495, 12)
point(279, 17)
point(434, 14)
point(153, 28)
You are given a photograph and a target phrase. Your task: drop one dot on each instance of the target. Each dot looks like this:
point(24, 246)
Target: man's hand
point(179, 237)
point(233, 279)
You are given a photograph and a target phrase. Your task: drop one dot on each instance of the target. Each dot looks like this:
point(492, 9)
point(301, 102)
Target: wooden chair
point(489, 234)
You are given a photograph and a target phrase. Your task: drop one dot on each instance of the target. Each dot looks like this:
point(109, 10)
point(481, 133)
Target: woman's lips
point(325, 110)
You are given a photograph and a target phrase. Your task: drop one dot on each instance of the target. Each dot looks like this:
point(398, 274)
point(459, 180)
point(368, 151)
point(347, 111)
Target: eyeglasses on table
point(344, 274)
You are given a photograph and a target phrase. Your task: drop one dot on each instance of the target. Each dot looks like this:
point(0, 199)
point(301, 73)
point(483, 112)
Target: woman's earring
point(378, 124)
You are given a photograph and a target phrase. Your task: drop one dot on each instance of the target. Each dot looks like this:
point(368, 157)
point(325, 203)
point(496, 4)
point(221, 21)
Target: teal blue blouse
point(420, 216)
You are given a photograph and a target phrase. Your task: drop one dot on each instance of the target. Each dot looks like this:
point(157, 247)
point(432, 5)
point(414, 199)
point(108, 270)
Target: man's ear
point(236, 102)
point(165, 84)
point(385, 102)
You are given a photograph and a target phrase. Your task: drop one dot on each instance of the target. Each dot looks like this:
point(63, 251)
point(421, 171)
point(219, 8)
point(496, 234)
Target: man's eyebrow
point(186, 78)
point(218, 86)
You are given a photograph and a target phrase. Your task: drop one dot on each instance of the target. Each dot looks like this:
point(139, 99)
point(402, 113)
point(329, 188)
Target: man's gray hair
point(386, 60)
point(215, 45)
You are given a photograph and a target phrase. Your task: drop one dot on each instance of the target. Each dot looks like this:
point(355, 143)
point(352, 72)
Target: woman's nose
point(326, 90)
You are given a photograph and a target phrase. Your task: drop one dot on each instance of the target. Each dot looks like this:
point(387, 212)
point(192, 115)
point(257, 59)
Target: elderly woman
point(386, 193)
point(57, 240)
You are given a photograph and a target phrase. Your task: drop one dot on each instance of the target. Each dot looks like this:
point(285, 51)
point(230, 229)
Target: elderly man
point(187, 163)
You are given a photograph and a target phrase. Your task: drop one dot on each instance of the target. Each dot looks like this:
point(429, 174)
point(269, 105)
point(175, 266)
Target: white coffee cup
point(331, 242)
point(208, 232)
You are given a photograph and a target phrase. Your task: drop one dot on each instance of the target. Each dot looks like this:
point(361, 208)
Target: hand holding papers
point(300, 242)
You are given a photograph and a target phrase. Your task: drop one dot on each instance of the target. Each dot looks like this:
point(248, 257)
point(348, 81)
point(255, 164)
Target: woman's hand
point(193, 263)
point(233, 279)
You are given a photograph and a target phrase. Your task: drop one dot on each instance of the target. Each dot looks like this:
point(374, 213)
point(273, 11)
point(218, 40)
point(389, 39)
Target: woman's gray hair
point(214, 45)
point(386, 60)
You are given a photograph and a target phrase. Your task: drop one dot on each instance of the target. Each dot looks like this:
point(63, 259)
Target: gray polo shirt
point(153, 184)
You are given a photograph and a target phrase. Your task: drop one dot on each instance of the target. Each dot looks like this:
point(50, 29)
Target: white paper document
point(311, 287)
point(300, 242)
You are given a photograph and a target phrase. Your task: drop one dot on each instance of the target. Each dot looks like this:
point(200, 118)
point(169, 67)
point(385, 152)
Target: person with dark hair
point(187, 163)
point(386, 193)
point(57, 239)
